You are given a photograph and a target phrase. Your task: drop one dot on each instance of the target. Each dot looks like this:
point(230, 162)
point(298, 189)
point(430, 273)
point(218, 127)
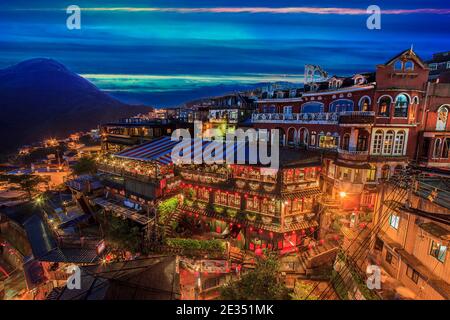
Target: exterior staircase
point(174, 217)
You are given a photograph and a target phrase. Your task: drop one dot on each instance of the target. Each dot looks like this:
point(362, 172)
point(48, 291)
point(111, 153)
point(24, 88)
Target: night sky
point(168, 46)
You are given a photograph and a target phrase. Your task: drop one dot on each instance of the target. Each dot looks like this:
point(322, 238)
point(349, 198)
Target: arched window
point(445, 148)
point(377, 142)
point(313, 138)
point(437, 148)
point(384, 106)
point(385, 172)
point(409, 65)
point(398, 65)
point(364, 104)
point(312, 107)
point(442, 116)
point(401, 106)
point(399, 143)
point(372, 173)
point(416, 100)
point(388, 141)
point(345, 141)
point(341, 105)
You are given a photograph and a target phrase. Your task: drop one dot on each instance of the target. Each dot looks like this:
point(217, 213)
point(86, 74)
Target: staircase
point(236, 255)
point(174, 217)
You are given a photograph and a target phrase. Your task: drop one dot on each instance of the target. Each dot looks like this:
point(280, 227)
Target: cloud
point(283, 10)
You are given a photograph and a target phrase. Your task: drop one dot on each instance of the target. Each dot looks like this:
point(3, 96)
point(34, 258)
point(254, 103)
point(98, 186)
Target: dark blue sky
point(148, 53)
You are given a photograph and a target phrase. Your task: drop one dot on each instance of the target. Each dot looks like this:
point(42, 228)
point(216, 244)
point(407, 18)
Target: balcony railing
point(322, 117)
point(360, 117)
point(353, 152)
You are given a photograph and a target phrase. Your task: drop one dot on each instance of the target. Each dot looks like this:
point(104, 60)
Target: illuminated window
point(341, 105)
point(438, 251)
point(437, 148)
point(401, 106)
point(394, 221)
point(377, 142)
point(372, 173)
point(442, 116)
point(399, 143)
point(384, 106)
point(388, 142)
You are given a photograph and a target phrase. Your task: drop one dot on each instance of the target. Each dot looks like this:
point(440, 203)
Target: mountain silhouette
point(40, 98)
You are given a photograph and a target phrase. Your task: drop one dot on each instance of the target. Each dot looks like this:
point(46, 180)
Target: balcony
point(353, 154)
point(357, 117)
point(300, 118)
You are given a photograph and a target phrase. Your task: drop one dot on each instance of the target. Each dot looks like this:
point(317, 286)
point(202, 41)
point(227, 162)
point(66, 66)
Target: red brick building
point(368, 126)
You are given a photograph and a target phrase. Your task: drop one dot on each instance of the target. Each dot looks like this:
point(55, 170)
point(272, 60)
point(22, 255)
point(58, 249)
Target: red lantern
point(250, 228)
point(321, 241)
point(260, 231)
point(271, 235)
point(311, 229)
point(239, 225)
point(336, 237)
point(303, 231)
point(258, 252)
point(310, 246)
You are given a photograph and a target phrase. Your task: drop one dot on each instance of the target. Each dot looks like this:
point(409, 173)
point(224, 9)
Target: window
point(287, 110)
point(361, 144)
point(448, 65)
point(399, 142)
point(384, 106)
point(438, 251)
point(445, 148)
point(433, 66)
point(341, 105)
point(394, 221)
point(328, 141)
point(409, 65)
point(313, 138)
point(345, 141)
point(401, 106)
point(389, 257)
point(385, 172)
point(364, 104)
point(412, 274)
point(388, 141)
point(442, 116)
point(437, 148)
point(398, 65)
point(312, 107)
point(372, 173)
point(377, 142)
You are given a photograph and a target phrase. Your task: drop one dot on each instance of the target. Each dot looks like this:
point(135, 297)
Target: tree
point(85, 165)
point(122, 234)
point(263, 283)
point(27, 182)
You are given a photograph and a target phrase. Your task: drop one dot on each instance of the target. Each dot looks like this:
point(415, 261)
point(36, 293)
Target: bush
point(192, 244)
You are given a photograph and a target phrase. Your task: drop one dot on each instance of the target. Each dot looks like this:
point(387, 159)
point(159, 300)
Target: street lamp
point(342, 194)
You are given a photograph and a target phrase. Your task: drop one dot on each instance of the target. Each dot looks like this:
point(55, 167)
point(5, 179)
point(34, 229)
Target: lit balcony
point(300, 118)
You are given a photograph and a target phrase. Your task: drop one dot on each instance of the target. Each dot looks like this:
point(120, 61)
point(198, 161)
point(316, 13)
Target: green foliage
point(166, 207)
point(188, 202)
point(122, 234)
point(262, 283)
point(192, 244)
point(301, 291)
point(85, 165)
point(42, 153)
point(232, 212)
point(339, 285)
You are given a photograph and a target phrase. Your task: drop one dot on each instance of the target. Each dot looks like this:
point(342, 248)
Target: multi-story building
point(412, 245)
point(439, 64)
point(131, 131)
point(367, 125)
